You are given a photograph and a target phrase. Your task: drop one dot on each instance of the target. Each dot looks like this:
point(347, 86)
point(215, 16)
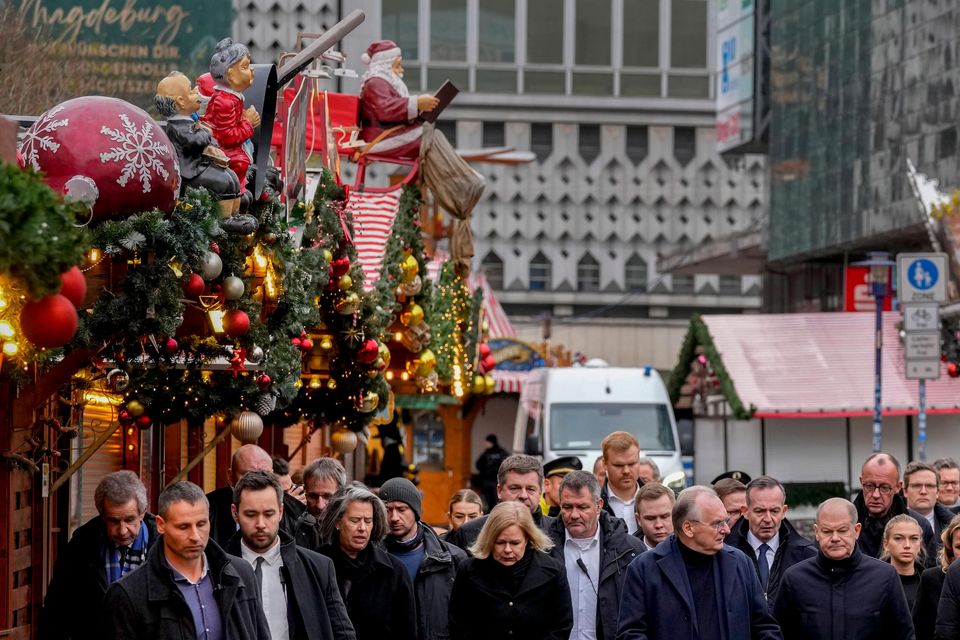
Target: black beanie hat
point(402, 490)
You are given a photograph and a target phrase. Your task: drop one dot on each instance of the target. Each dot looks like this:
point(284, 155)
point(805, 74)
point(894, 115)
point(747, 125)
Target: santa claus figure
point(231, 124)
point(388, 113)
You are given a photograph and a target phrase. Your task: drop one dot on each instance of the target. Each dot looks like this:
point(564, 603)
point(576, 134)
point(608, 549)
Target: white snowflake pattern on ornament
point(139, 151)
point(38, 138)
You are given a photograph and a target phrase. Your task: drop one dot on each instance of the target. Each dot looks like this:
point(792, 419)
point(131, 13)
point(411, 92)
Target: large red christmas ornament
point(105, 152)
point(194, 285)
point(484, 349)
point(49, 322)
point(264, 381)
point(125, 419)
point(144, 422)
point(953, 369)
point(306, 344)
point(171, 345)
point(368, 352)
point(340, 266)
point(236, 323)
point(73, 286)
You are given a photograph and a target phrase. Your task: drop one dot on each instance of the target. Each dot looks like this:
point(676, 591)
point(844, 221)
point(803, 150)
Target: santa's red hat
point(380, 50)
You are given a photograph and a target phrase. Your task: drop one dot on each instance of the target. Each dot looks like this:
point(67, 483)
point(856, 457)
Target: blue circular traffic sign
point(922, 274)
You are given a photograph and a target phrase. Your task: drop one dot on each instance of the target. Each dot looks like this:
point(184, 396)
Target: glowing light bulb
point(10, 348)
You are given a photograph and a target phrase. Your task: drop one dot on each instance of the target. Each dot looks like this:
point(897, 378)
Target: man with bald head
point(841, 592)
point(248, 457)
point(880, 500)
point(692, 585)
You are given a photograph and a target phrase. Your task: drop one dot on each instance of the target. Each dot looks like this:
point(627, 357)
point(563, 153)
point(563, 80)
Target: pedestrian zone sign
point(922, 277)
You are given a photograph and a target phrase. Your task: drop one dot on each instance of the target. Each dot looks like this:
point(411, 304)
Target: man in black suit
point(249, 457)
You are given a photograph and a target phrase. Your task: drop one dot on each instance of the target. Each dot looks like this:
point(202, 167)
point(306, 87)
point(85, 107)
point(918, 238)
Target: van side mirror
point(532, 447)
point(685, 432)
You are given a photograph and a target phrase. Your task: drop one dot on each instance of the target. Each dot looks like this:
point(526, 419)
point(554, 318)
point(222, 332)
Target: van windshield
point(582, 426)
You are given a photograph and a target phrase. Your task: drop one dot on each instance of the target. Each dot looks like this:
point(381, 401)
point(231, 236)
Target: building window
point(593, 33)
point(449, 129)
point(428, 440)
point(540, 273)
point(684, 144)
point(497, 42)
point(589, 142)
point(492, 266)
point(641, 33)
point(545, 32)
point(638, 143)
point(493, 134)
point(730, 285)
point(688, 34)
point(588, 274)
point(541, 139)
point(682, 283)
point(635, 274)
point(448, 30)
point(399, 23)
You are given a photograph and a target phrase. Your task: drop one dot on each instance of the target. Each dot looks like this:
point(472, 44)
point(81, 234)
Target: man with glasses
point(921, 486)
point(948, 472)
point(693, 585)
point(879, 500)
point(841, 593)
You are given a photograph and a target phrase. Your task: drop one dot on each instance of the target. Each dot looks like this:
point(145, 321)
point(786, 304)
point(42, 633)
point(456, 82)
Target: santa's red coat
point(381, 107)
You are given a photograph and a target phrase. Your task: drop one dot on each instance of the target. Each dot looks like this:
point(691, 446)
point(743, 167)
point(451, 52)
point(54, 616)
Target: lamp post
point(880, 264)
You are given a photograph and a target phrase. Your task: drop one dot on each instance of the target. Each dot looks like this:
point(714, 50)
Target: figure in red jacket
point(386, 103)
point(231, 124)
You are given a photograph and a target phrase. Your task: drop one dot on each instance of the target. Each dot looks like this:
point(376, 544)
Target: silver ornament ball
point(212, 266)
point(233, 288)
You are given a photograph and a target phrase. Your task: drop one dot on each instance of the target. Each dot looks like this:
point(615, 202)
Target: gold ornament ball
point(327, 255)
point(136, 408)
point(427, 363)
point(345, 282)
point(247, 427)
point(489, 383)
point(384, 355)
point(412, 315)
point(370, 402)
point(343, 440)
point(479, 385)
point(348, 304)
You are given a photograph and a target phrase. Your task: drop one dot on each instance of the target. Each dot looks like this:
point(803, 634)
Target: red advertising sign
point(859, 295)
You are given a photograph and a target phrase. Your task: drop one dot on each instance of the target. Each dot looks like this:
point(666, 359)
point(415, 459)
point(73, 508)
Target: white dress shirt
point(273, 592)
point(773, 543)
point(624, 509)
point(583, 586)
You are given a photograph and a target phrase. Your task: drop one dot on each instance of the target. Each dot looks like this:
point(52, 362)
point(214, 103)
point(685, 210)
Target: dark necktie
point(762, 565)
point(258, 572)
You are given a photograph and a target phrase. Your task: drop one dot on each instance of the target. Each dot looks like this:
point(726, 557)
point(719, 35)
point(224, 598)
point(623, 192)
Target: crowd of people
point(564, 553)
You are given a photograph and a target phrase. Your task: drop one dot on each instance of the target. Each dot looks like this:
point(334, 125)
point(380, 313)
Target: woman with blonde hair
point(511, 586)
point(465, 505)
point(903, 548)
point(931, 582)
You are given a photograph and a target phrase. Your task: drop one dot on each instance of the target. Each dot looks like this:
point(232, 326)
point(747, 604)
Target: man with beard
point(298, 587)
point(430, 562)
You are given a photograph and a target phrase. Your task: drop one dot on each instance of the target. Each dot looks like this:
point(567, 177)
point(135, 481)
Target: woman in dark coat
point(931, 582)
point(375, 586)
point(510, 587)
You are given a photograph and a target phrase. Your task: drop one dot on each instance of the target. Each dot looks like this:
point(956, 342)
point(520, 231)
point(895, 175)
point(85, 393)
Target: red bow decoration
point(238, 361)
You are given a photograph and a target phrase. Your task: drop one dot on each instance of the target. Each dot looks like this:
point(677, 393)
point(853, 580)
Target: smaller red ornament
point(171, 345)
point(236, 323)
point(194, 285)
point(489, 363)
point(306, 344)
point(296, 342)
point(49, 322)
point(368, 352)
point(953, 369)
point(340, 266)
point(484, 349)
point(144, 422)
point(125, 419)
point(73, 286)
point(264, 381)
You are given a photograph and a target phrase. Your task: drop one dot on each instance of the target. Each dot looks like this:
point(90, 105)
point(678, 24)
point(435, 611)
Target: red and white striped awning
point(373, 216)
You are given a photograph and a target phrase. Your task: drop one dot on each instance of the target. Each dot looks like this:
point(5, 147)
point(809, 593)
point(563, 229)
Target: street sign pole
point(922, 419)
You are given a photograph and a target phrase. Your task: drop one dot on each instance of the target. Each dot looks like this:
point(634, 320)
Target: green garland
point(451, 312)
point(699, 335)
point(333, 397)
point(130, 326)
point(39, 238)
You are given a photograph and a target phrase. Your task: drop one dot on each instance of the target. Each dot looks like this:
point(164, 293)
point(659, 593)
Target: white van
point(568, 411)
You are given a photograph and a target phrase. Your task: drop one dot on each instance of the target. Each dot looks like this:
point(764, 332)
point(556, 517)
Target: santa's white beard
point(383, 69)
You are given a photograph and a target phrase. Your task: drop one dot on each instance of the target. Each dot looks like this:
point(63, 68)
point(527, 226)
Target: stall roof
point(808, 366)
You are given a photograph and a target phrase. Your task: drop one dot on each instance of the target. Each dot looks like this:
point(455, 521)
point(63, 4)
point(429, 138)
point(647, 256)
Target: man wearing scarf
point(431, 563)
point(108, 547)
point(880, 500)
